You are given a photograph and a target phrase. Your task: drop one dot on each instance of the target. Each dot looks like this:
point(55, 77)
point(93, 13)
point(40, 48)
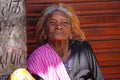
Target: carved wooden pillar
point(12, 36)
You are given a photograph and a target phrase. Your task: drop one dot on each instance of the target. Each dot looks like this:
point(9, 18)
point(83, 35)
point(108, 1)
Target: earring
point(71, 37)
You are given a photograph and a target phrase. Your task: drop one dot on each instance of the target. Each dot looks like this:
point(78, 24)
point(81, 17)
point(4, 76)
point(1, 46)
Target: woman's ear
point(71, 34)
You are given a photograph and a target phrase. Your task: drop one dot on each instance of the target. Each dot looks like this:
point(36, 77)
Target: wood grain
point(100, 20)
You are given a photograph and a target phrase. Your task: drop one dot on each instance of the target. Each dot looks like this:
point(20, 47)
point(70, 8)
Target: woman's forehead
point(58, 14)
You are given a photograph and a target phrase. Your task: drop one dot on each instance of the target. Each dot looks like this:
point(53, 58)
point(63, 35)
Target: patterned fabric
point(21, 74)
point(45, 62)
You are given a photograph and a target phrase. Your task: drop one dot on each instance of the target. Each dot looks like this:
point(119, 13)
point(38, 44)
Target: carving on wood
point(12, 36)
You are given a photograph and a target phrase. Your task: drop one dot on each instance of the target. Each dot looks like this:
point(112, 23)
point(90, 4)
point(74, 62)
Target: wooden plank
point(100, 12)
point(108, 63)
point(104, 51)
point(112, 77)
point(33, 40)
point(102, 32)
point(32, 21)
point(31, 34)
point(110, 70)
point(31, 48)
point(97, 19)
point(100, 25)
point(103, 38)
point(82, 8)
point(100, 20)
point(65, 1)
point(110, 57)
point(96, 45)
point(97, 6)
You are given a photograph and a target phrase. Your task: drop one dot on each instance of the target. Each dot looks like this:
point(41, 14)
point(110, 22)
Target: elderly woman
point(61, 56)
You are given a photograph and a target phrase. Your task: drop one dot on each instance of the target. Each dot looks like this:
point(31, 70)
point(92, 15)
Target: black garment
point(84, 65)
point(37, 77)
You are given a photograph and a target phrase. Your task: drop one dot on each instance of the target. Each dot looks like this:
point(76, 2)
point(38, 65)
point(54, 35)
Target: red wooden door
point(100, 20)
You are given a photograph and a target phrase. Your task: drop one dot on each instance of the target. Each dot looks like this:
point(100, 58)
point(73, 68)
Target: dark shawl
point(84, 65)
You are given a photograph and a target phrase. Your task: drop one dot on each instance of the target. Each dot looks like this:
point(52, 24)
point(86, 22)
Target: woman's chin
point(60, 39)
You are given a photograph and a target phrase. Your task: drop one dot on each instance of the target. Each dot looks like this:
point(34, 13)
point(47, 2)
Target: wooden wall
point(100, 20)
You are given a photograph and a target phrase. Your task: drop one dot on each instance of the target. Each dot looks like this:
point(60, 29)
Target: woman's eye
point(52, 22)
point(65, 23)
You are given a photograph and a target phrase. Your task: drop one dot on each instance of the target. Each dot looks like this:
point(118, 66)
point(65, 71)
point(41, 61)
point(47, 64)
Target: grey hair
point(69, 11)
point(55, 7)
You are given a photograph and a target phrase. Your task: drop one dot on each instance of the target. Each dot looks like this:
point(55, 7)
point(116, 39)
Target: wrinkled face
point(58, 26)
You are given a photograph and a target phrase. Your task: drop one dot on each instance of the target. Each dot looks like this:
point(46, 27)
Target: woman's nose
point(58, 26)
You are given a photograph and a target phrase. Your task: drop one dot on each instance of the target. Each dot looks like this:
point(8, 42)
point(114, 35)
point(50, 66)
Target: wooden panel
point(100, 25)
point(112, 77)
point(100, 20)
point(103, 51)
point(82, 8)
point(32, 21)
point(111, 57)
point(70, 1)
point(97, 6)
point(112, 63)
point(105, 44)
point(31, 48)
point(111, 70)
point(102, 34)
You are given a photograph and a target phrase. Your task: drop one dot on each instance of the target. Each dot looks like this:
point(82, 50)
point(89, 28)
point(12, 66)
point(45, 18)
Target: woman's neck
point(61, 48)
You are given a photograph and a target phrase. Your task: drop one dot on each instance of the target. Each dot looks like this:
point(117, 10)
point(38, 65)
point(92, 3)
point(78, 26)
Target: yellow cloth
point(21, 74)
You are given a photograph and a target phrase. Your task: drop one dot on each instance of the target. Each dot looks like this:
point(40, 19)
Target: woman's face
point(58, 26)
